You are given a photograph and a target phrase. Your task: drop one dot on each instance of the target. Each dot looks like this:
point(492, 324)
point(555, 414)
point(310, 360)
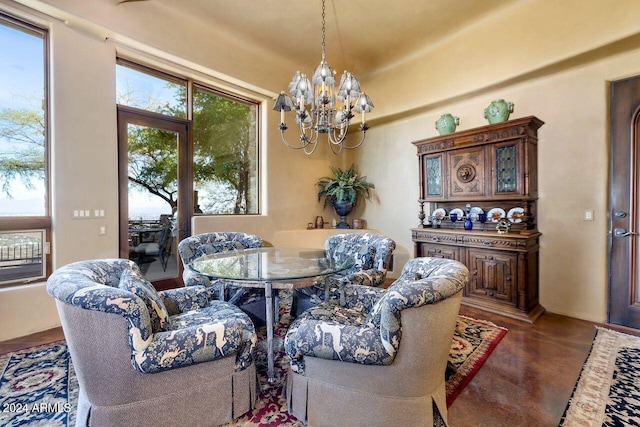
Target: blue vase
point(468, 223)
point(342, 208)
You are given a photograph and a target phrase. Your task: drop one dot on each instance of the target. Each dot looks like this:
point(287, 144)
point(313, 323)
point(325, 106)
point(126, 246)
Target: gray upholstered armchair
point(152, 358)
point(373, 255)
point(380, 358)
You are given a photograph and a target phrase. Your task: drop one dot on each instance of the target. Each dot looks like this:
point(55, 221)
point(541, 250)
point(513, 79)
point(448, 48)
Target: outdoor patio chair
point(147, 251)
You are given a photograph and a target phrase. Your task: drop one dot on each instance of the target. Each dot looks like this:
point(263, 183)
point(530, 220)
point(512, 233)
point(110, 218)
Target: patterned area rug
point(608, 390)
point(473, 342)
point(38, 386)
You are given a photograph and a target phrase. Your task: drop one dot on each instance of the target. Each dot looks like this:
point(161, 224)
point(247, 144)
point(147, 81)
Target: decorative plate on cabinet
point(474, 213)
point(515, 215)
point(439, 213)
point(496, 214)
point(458, 212)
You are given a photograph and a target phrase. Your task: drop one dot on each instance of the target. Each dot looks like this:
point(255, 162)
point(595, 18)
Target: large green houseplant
point(342, 189)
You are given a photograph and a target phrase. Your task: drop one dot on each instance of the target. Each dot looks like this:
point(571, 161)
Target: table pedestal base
point(268, 293)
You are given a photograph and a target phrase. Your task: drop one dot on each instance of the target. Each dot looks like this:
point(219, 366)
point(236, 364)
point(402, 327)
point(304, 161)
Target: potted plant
point(342, 189)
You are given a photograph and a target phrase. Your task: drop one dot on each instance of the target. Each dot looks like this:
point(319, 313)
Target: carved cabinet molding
point(492, 169)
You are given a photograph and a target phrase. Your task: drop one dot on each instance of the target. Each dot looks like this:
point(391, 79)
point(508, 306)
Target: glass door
point(154, 176)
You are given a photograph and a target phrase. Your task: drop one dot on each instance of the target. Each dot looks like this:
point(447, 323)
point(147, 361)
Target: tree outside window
point(224, 143)
point(225, 153)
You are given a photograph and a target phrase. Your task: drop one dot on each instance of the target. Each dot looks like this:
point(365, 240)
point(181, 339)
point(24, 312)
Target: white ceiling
point(361, 35)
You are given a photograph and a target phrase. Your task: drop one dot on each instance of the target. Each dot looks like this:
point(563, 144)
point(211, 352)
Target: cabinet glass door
point(506, 169)
point(433, 176)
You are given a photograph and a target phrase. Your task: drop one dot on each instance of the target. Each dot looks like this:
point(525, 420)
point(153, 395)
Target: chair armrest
point(372, 277)
point(215, 288)
point(335, 341)
point(198, 343)
point(351, 295)
point(88, 295)
point(180, 300)
point(191, 278)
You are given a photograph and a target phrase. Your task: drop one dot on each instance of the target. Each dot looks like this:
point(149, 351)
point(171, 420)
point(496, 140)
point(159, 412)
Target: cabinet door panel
point(492, 275)
point(439, 251)
point(467, 169)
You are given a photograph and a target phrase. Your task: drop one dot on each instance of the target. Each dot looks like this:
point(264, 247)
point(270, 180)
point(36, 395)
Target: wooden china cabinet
point(493, 170)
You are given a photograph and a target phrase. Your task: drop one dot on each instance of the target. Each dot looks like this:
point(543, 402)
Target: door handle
point(621, 232)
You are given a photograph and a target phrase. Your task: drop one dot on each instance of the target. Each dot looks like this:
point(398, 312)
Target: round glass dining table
point(271, 268)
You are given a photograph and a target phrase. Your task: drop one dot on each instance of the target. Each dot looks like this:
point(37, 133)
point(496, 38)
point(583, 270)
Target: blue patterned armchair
point(379, 358)
point(144, 357)
point(373, 255)
point(250, 300)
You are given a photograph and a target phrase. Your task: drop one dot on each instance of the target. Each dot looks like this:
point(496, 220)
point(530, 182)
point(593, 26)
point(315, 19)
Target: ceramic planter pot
point(498, 111)
point(447, 124)
point(342, 208)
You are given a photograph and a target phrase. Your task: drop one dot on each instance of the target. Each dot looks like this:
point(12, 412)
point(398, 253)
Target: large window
point(24, 211)
point(224, 154)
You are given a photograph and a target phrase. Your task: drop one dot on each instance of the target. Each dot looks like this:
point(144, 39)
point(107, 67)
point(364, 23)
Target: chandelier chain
point(323, 32)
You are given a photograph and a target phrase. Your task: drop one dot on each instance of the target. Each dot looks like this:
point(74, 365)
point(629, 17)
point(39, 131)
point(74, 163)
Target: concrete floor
point(526, 381)
point(529, 377)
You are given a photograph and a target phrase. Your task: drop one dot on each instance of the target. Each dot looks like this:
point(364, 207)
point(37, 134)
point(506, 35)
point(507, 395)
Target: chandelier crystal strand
point(330, 108)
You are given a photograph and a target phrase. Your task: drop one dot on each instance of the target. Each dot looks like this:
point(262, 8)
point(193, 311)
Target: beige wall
point(552, 59)
point(565, 85)
point(526, 38)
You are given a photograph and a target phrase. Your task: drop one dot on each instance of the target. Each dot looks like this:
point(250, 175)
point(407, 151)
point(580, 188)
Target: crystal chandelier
point(330, 110)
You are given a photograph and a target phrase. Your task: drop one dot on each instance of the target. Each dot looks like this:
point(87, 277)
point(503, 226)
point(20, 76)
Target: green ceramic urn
point(447, 124)
point(498, 111)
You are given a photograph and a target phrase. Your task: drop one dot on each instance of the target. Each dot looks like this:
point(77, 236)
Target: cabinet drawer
point(439, 251)
point(433, 237)
point(493, 275)
point(493, 242)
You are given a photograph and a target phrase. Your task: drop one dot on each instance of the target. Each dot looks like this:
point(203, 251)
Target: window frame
point(28, 223)
point(247, 101)
point(193, 84)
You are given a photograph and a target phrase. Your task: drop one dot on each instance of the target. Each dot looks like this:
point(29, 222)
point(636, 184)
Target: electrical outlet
point(588, 215)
